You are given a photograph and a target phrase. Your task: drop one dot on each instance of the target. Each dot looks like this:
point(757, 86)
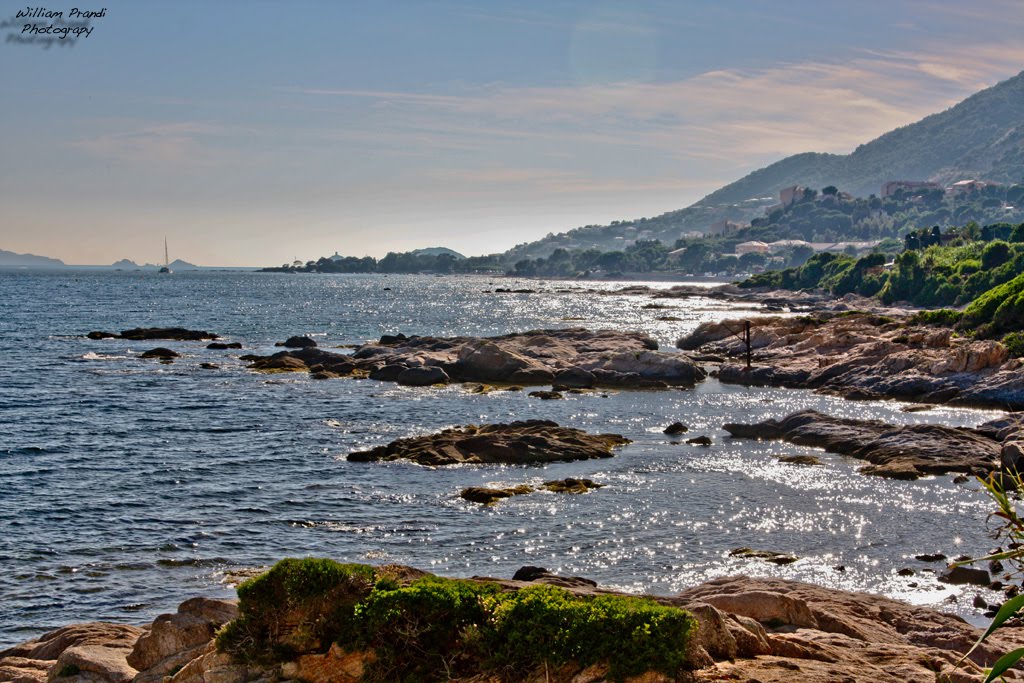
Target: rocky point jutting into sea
point(187, 457)
point(741, 629)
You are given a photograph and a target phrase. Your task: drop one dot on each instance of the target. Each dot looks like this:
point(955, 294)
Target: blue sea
point(127, 485)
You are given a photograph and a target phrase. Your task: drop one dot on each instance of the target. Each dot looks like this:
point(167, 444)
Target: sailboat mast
point(167, 261)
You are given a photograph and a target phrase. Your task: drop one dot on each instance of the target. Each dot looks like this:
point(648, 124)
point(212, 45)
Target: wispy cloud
point(173, 143)
point(734, 117)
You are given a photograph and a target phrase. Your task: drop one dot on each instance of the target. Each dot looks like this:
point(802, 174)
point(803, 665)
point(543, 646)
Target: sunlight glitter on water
point(149, 483)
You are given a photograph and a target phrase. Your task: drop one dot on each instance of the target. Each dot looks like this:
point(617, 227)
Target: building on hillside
point(782, 245)
point(967, 186)
point(753, 247)
point(893, 186)
point(337, 257)
point(723, 227)
point(788, 195)
point(839, 247)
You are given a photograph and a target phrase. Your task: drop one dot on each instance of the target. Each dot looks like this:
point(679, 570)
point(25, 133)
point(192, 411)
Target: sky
point(252, 133)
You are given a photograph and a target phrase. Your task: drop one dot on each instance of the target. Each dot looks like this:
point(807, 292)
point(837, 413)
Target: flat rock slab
point(517, 443)
point(148, 333)
point(898, 452)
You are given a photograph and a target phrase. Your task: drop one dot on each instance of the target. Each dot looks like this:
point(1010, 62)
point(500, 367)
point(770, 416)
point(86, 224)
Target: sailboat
point(167, 263)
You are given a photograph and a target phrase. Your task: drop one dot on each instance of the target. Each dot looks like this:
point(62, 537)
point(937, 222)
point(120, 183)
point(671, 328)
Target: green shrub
point(547, 624)
point(942, 317)
point(1014, 343)
point(425, 630)
point(436, 629)
point(300, 605)
point(999, 310)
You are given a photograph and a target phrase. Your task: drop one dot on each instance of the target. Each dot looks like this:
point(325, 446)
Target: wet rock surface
point(489, 496)
point(865, 356)
point(516, 443)
point(150, 333)
point(567, 359)
point(893, 451)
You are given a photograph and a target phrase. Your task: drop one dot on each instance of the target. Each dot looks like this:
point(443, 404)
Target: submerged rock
point(173, 333)
point(531, 441)
point(898, 452)
point(489, 496)
point(571, 485)
point(766, 555)
point(159, 352)
point(221, 346)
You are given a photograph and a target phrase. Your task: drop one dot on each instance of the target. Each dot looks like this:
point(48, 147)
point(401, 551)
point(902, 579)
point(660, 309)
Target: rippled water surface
point(128, 485)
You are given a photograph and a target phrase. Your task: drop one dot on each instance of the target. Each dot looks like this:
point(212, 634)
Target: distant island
point(128, 264)
point(11, 259)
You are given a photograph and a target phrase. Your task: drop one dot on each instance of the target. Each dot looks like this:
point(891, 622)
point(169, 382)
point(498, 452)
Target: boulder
point(966, 575)
point(574, 378)
point(423, 377)
point(675, 428)
point(297, 343)
point(489, 496)
point(222, 346)
point(1011, 455)
point(160, 352)
point(388, 373)
point(545, 395)
point(571, 485)
point(178, 638)
point(82, 653)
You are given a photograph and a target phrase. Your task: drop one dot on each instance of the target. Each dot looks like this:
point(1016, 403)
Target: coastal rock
point(966, 575)
point(422, 377)
point(489, 496)
point(571, 485)
point(545, 395)
point(675, 428)
point(899, 452)
point(170, 333)
point(699, 441)
point(574, 378)
point(159, 352)
point(297, 343)
point(82, 653)
point(486, 361)
point(864, 355)
point(800, 460)
point(531, 441)
point(766, 555)
point(822, 635)
point(101, 335)
point(570, 359)
point(280, 362)
point(222, 346)
point(176, 639)
point(750, 629)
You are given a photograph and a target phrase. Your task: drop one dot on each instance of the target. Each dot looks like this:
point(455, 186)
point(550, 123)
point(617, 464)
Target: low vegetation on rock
point(429, 628)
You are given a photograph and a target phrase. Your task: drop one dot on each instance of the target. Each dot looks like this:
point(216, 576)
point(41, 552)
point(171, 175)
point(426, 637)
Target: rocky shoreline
point(861, 355)
point(748, 629)
point(571, 358)
point(907, 452)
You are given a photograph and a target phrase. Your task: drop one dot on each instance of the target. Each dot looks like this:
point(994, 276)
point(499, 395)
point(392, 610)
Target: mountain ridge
point(981, 137)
